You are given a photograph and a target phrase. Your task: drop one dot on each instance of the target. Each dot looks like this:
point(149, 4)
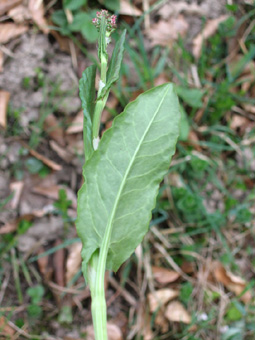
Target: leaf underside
point(87, 95)
point(123, 176)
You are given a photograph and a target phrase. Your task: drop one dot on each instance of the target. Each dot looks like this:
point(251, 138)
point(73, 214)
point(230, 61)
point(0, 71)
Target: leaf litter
point(171, 312)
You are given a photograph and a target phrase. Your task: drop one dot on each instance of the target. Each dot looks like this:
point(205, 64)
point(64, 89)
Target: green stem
point(100, 104)
point(97, 265)
point(96, 273)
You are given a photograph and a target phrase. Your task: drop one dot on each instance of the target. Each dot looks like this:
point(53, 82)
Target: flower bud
point(110, 21)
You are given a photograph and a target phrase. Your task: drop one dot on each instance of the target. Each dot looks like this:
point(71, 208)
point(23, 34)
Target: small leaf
point(113, 5)
point(122, 177)
point(192, 97)
point(89, 31)
point(33, 165)
point(65, 315)
point(59, 18)
point(160, 297)
point(233, 313)
point(78, 20)
point(74, 4)
point(82, 22)
point(175, 312)
point(115, 64)
point(87, 95)
point(235, 332)
point(36, 293)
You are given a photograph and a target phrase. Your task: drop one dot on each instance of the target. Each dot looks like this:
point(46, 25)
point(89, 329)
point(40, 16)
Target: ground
point(193, 275)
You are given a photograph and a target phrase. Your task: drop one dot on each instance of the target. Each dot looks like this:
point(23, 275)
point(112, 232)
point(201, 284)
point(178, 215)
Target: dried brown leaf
point(194, 140)
point(10, 31)
point(6, 330)
point(209, 30)
point(163, 275)
point(51, 164)
point(17, 188)
point(52, 191)
point(43, 264)
point(174, 8)
point(63, 153)
point(239, 123)
point(73, 261)
point(1, 61)
point(161, 297)
point(77, 124)
point(164, 33)
point(161, 79)
point(63, 42)
point(249, 108)
point(6, 5)
point(54, 130)
point(232, 282)
point(162, 322)
point(58, 264)
point(187, 267)
point(114, 332)
point(19, 14)
point(126, 8)
point(13, 225)
point(4, 100)
point(175, 312)
point(36, 9)
point(9, 227)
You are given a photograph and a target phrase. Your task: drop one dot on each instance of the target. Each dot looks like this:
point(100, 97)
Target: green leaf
point(65, 315)
point(233, 313)
point(87, 95)
point(36, 293)
point(122, 177)
point(115, 64)
point(33, 165)
point(74, 4)
point(89, 31)
point(113, 5)
point(78, 21)
point(82, 22)
point(59, 18)
point(235, 331)
point(192, 97)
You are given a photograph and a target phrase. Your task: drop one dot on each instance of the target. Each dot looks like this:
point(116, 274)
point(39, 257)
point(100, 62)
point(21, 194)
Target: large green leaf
point(115, 64)
point(87, 95)
point(122, 177)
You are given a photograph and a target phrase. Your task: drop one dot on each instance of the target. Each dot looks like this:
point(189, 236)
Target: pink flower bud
point(110, 21)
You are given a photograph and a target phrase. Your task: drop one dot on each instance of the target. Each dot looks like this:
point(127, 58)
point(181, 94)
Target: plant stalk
point(95, 271)
point(96, 274)
point(97, 266)
point(100, 104)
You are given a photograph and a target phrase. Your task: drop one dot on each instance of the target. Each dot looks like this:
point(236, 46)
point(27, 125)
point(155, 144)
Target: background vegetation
point(193, 276)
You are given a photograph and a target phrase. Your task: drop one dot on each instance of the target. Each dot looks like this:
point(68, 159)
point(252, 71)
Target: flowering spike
point(110, 21)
